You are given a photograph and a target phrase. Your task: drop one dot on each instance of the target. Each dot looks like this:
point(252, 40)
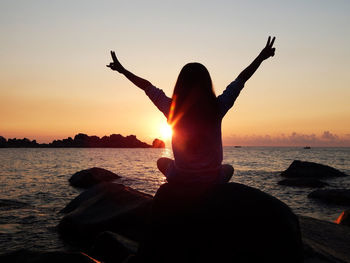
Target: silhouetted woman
point(195, 114)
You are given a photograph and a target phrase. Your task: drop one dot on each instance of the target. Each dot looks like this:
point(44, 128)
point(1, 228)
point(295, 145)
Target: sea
point(34, 183)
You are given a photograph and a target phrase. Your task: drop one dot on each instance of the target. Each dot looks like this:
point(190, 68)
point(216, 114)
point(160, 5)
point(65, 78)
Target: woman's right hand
point(269, 50)
point(115, 65)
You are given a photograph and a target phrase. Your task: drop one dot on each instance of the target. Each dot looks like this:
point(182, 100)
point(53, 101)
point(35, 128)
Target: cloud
point(329, 136)
point(326, 139)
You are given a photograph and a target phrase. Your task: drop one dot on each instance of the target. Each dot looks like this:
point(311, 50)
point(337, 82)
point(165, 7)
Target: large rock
point(106, 207)
point(221, 223)
point(302, 182)
point(310, 169)
point(344, 218)
point(332, 196)
point(89, 177)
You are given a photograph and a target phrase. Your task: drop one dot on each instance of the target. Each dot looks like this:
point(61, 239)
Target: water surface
point(34, 183)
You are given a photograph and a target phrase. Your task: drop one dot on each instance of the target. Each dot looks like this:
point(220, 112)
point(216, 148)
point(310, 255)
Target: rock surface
point(112, 247)
point(106, 206)
point(26, 256)
point(310, 169)
point(222, 223)
point(302, 182)
point(330, 242)
point(89, 177)
point(9, 204)
point(332, 196)
point(344, 218)
point(158, 144)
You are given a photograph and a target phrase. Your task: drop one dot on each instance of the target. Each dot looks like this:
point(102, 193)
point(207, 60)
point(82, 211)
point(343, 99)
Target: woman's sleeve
point(158, 97)
point(228, 97)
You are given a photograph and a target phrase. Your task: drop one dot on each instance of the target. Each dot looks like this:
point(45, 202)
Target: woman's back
point(195, 120)
point(198, 148)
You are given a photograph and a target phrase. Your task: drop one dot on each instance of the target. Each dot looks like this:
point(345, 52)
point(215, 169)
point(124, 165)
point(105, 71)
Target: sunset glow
point(166, 131)
point(54, 81)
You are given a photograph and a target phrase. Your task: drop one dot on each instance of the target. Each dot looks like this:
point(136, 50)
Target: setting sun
point(166, 131)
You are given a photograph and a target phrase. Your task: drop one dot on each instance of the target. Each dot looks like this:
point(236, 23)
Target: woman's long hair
point(194, 107)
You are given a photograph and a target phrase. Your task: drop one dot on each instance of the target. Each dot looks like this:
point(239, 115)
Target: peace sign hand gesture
point(268, 50)
point(115, 65)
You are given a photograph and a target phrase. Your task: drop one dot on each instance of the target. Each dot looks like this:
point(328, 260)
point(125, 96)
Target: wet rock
point(311, 255)
point(329, 242)
point(106, 207)
point(332, 196)
point(302, 182)
point(89, 177)
point(26, 256)
point(9, 204)
point(112, 247)
point(221, 223)
point(344, 218)
point(310, 169)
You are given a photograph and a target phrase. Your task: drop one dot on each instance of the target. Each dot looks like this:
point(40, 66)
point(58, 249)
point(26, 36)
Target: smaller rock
point(9, 204)
point(158, 144)
point(329, 242)
point(310, 169)
point(302, 182)
point(89, 177)
point(333, 196)
point(106, 207)
point(344, 218)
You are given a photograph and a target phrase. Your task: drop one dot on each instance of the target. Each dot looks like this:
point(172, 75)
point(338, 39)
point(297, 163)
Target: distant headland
point(83, 141)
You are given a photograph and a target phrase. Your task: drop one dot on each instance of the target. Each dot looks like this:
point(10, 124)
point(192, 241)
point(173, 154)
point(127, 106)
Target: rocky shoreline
point(324, 242)
point(82, 140)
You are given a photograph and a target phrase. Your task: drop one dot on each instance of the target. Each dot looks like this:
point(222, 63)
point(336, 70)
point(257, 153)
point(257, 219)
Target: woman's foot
point(226, 172)
point(163, 164)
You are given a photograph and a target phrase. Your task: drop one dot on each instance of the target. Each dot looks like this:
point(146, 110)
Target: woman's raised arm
point(230, 94)
point(117, 66)
point(268, 51)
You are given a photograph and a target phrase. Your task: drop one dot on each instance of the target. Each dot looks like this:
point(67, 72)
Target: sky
point(54, 82)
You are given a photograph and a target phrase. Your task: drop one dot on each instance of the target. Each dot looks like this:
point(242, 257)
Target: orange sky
point(54, 82)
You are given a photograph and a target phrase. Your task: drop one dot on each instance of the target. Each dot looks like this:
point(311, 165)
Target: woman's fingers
point(270, 42)
point(273, 52)
point(114, 57)
point(111, 66)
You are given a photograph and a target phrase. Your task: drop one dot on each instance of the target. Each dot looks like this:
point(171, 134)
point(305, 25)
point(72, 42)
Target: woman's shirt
point(207, 155)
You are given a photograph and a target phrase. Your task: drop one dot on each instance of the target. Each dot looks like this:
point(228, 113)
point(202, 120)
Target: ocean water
point(34, 183)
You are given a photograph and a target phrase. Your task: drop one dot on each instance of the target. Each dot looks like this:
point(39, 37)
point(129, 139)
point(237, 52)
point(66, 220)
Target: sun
point(166, 131)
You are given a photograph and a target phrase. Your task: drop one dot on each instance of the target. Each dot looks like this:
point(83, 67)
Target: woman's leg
point(163, 164)
point(226, 172)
